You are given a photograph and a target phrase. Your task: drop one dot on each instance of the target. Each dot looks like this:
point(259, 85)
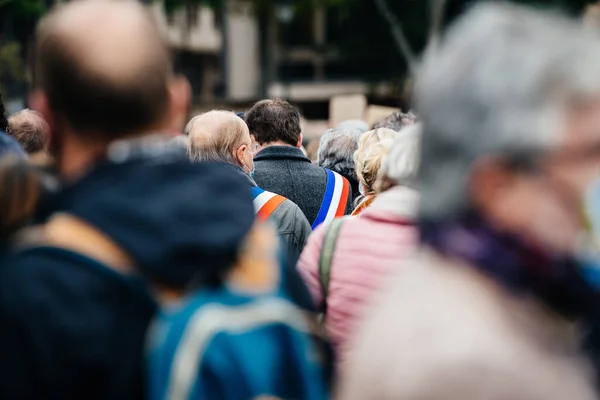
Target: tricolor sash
point(335, 198)
point(265, 202)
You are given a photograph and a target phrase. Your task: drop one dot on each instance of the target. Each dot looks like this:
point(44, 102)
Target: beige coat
point(443, 331)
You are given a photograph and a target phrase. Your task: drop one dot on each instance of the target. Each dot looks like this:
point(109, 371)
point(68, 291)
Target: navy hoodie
point(72, 328)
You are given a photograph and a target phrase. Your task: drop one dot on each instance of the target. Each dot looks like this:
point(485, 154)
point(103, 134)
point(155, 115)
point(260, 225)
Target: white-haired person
point(373, 146)
point(347, 261)
point(336, 152)
point(494, 304)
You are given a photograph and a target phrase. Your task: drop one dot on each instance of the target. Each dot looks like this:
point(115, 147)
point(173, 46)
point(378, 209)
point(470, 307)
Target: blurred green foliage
point(27, 8)
point(11, 63)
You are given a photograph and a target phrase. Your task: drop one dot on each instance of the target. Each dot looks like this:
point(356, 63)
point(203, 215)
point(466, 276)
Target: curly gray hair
point(336, 150)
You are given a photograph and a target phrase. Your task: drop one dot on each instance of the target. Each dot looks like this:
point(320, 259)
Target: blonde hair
point(373, 146)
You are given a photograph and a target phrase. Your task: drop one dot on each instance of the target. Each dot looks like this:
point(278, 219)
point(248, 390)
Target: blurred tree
point(376, 34)
point(11, 63)
point(17, 23)
point(368, 33)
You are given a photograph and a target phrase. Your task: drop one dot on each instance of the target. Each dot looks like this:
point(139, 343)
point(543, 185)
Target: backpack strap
point(335, 198)
point(265, 203)
point(326, 258)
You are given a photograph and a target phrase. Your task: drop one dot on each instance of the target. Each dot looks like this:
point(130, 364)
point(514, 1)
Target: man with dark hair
point(30, 130)
point(132, 214)
point(281, 167)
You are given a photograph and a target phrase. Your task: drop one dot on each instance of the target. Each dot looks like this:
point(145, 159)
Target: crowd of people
point(448, 253)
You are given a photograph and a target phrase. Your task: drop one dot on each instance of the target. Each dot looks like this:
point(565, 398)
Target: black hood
point(180, 222)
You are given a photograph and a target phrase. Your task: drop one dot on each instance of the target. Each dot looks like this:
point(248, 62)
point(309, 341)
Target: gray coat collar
point(278, 152)
point(241, 171)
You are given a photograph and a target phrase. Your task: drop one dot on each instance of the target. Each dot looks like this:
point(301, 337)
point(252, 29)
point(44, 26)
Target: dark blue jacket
point(73, 328)
point(10, 146)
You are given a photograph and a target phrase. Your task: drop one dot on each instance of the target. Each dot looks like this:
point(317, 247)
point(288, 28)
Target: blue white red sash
point(335, 199)
point(265, 202)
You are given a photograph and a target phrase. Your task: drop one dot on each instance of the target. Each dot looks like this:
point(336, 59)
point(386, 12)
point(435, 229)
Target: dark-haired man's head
point(98, 82)
point(274, 122)
point(30, 130)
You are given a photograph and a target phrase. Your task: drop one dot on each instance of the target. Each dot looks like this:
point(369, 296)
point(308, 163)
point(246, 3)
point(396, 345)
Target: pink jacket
point(367, 248)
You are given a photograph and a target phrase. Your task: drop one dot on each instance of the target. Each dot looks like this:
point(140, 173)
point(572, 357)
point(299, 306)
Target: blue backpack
point(223, 345)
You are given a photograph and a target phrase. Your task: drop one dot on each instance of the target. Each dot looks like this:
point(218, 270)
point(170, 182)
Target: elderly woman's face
point(546, 203)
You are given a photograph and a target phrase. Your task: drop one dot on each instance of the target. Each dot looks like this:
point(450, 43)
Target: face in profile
point(545, 202)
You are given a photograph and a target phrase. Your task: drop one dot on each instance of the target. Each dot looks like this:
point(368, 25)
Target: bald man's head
point(103, 68)
point(220, 136)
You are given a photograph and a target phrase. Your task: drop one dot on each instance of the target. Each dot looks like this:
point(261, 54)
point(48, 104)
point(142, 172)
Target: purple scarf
point(521, 267)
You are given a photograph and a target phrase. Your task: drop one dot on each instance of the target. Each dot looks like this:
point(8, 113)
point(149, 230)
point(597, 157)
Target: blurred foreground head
point(100, 82)
point(510, 104)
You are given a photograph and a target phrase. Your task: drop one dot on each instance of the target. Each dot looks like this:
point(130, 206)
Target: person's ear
point(179, 102)
point(239, 155)
point(300, 140)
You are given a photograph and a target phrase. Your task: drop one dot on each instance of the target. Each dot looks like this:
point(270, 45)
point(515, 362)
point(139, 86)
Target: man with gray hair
point(510, 108)
point(223, 136)
point(336, 152)
point(30, 130)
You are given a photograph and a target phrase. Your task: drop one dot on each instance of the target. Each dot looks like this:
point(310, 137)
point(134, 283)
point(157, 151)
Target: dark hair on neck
point(274, 120)
point(3, 118)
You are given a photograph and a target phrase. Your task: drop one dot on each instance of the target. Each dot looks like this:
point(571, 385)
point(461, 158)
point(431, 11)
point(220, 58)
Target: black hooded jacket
point(73, 328)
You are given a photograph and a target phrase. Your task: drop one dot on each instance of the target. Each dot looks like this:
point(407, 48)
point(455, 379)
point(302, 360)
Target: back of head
point(357, 124)
point(103, 80)
point(30, 130)
point(397, 121)
point(215, 136)
point(373, 146)
point(399, 166)
point(274, 121)
point(498, 84)
point(336, 150)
